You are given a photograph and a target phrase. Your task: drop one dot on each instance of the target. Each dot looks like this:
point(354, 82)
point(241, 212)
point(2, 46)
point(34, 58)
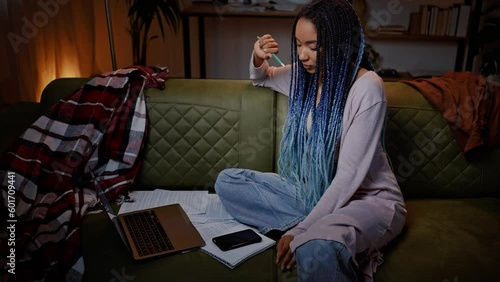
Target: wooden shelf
point(411, 37)
point(402, 76)
point(212, 10)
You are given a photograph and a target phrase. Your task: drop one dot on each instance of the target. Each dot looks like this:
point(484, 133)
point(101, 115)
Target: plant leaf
point(142, 13)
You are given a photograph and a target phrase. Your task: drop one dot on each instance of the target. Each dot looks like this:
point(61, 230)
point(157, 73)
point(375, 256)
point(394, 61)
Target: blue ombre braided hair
point(307, 160)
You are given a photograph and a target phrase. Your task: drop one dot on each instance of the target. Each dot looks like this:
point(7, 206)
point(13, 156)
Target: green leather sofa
point(199, 127)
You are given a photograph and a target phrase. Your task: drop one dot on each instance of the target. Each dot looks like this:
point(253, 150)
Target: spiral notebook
point(231, 258)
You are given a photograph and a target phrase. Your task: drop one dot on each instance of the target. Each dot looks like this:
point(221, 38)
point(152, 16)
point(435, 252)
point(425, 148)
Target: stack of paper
point(193, 202)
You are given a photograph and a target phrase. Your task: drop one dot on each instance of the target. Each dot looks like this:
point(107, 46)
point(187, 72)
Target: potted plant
point(141, 14)
point(488, 40)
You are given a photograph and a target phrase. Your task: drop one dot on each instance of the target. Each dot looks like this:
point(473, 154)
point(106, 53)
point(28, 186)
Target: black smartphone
point(236, 239)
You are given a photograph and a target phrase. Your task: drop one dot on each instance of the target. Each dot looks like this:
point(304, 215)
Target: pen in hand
point(275, 57)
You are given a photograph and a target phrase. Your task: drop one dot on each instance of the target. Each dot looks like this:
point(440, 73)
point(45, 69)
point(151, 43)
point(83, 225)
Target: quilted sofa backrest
point(233, 124)
point(425, 157)
point(200, 127)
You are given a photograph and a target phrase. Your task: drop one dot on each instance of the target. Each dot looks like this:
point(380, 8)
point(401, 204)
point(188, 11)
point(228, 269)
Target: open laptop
point(153, 232)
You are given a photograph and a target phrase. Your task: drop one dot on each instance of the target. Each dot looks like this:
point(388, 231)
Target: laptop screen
point(108, 209)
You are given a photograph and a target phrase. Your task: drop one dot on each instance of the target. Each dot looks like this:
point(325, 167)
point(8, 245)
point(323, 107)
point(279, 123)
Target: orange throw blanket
point(470, 105)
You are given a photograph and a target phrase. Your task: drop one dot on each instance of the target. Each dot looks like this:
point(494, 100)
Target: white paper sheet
point(215, 211)
point(193, 202)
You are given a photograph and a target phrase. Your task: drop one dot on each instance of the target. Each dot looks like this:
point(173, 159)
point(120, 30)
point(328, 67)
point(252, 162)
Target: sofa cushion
point(193, 137)
point(15, 119)
point(445, 240)
point(427, 160)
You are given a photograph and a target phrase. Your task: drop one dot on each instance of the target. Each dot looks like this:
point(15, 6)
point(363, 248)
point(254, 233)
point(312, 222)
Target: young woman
point(335, 195)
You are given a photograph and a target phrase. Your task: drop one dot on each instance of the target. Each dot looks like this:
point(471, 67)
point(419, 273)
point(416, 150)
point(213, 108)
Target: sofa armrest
point(14, 120)
point(58, 89)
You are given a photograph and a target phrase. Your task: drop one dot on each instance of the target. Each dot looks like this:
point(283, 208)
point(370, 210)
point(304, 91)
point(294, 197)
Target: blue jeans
point(262, 200)
point(324, 260)
point(267, 202)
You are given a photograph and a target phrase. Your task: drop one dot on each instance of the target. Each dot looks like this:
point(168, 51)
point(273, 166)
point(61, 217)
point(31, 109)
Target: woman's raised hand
point(263, 49)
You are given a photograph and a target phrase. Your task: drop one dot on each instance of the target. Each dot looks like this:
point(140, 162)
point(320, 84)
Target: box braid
point(308, 159)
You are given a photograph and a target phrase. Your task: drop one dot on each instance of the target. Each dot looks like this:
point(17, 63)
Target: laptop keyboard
point(147, 233)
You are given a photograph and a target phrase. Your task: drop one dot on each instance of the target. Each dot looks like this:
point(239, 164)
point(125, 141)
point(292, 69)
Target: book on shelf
point(441, 21)
point(433, 20)
point(423, 18)
point(441, 14)
point(446, 25)
point(463, 20)
point(414, 25)
point(452, 28)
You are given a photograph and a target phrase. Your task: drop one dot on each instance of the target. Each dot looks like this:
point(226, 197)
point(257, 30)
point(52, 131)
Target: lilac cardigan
point(363, 207)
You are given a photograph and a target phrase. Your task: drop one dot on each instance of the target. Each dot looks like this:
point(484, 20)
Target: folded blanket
point(46, 176)
point(469, 104)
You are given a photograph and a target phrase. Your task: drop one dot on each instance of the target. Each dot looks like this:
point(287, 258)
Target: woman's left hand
point(284, 254)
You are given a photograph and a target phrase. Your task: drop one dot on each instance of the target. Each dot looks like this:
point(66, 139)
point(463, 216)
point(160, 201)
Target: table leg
point(459, 60)
point(201, 33)
point(187, 47)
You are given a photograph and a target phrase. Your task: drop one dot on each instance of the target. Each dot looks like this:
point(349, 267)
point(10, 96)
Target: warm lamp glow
point(69, 68)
